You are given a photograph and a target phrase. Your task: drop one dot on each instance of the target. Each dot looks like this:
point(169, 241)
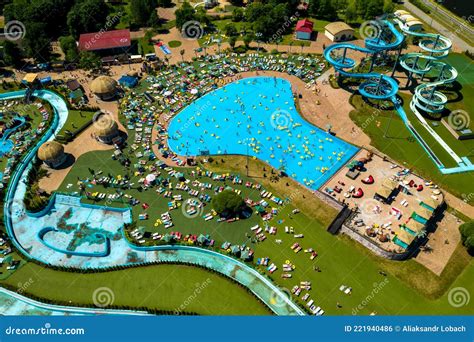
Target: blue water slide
point(382, 87)
point(378, 86)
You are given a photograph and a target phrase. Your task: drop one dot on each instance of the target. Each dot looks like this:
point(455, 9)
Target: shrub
point(467, 236)
point(228, 203)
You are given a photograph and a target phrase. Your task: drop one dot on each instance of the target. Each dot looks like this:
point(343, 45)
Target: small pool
point(5, 146)
point(257, 117)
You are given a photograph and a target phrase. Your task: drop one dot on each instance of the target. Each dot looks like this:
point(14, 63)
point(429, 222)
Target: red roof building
point(104, 40)
point(304, 25)
point(304, 29)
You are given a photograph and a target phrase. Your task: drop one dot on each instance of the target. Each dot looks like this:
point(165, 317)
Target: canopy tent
point(414, 226)
point(30, 78)
point(128, 81)
point(150, 178)
point(423, 212)
point(235, 249)
point(202, 239)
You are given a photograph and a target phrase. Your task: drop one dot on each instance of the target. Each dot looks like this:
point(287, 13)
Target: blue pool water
point(5, 147)
point(257, 116)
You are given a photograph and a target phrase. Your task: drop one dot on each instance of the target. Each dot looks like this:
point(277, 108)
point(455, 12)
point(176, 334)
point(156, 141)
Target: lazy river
point(257, 117)
point(39, 236)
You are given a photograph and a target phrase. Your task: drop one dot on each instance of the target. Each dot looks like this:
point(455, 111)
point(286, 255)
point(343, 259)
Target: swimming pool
point(257, 117)
point(6, 145)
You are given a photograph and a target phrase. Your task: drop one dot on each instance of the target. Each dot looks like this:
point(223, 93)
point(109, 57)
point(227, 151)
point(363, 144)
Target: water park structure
point(240, 169)
point(382, 87)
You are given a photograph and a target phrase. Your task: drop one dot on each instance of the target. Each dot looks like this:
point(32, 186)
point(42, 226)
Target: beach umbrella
point(150, 178)
point(194, 91)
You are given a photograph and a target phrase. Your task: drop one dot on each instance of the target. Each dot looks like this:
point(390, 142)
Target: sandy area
point(443, 242)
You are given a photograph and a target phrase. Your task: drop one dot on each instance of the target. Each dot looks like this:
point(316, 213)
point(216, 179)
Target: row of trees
point(467, 236)
point(48, 20)
point(270, 17)
point(352, 10)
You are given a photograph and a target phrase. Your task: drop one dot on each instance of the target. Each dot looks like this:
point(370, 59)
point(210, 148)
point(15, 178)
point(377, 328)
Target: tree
point(351, 12)
point(388, 7)
point(142, 11)
point(87, 16)
point(228, 203)
point(89, 60)
point(247, 40)
point(255, 11)
point(51, 13)
point(154, 20)
point(37, 44)
point(373, 9)
point(184, 14)
point(231, 30)
point(232, 41)
point(69, 47)
point(327, 10)
point(467, 236)
point(237, 14)
point(11, 54)
point(181, 52)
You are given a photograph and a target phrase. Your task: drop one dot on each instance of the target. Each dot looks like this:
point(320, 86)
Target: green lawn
point(144, 44)
point(234, 232)
point(401, 146)
point(76, 119)
point(409, 288)
point(161, 287)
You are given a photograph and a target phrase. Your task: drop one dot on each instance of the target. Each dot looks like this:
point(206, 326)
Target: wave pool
point(257, 117)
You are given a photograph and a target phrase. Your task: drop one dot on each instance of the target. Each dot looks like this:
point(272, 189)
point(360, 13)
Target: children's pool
point(257, 117)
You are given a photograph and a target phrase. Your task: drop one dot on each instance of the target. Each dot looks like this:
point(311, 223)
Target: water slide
point(382, 87)
point(426, 98)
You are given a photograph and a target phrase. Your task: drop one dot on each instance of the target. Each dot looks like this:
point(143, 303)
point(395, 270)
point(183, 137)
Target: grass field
point(163, 287)
point(76, 119)
point(409, 288)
